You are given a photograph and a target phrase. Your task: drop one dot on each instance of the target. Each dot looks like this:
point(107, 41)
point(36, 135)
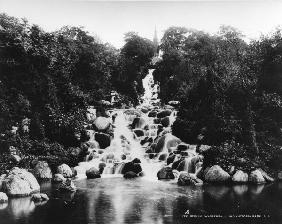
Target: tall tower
point(156, 43)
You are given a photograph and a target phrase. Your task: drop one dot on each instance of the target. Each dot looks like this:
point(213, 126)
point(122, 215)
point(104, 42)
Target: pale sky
point(109, 20)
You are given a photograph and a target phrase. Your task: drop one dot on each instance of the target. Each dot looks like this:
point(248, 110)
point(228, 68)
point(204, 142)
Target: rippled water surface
point(117, 200)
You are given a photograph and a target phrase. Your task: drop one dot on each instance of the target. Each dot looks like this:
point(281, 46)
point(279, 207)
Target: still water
point(117, 200)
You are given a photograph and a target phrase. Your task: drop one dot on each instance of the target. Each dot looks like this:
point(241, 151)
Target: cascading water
point(125, 146)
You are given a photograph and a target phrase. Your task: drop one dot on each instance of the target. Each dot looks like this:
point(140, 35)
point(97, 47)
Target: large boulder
point(20, 182)
point(102, 123)
point(138, 122)
point(103, 139)
point(93, 173)
point(216, 174)
point(65, 170)
point(3, 197)
point(130, 166)
point(240, 177)
point(170, 159)
point(165, 174)
point(256, 177)
point(266, 176)
point(186, 179)
point(42, 170)
point(182, 147)
point(163, 113)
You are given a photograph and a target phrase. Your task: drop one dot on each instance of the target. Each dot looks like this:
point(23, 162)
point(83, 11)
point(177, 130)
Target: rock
point(166, 142)
point(129, 175)
point(139, 132)
point(136, 160)
point(138, 122)
point(65, 170)
point(74, 172)
point(216, 174)
point(58, 178)
point(20, 182)
point(101, 123)
point(102, 167)
point(165, 121)
point(182, 147)
point(90, 145)
point(170, 159)
point(163, 156)
point(93, 173)
point(256, 177)
point(176, 164)
point(163, 113)
point(42, 170)
point(186, 179)
point(240, 177)
point(3, 197)
point(165, 174)
point(67, 185)
point(152, 113)
point(39, 197)
point(130, 166)
point(266, 176)
point(103, 139)
point(75, 151)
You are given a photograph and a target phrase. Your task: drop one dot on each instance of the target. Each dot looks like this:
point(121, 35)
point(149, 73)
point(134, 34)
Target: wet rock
point(129, 175)
point(165, 174)
point(165, 121)
point(163, 113)
point(20, 182)
point(39, 197)
point(256, 177)
point(90, 145)
point(58, 178)
point(3, 197)
point(15, 159)
point(146, 140)
point(186, 179)
point(166, 142)
point(130, 166)
point(163, 156)
point(74, 172)
point(182, 147)
point(75, 151)
point(102, 123)
point(152, 113)
point(42, 170)
point(176, 164)
point(170, 159)
point(216, 174)
point(139, 132)
point(92, 173)
point(240, 177)
point(157, 121)
point(136, 160)
point(67, 185)
point(65, 170)
point(103, 139)
point(138, 122)
point(102, 167)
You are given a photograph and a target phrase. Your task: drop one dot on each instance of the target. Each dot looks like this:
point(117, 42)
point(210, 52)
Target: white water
point(126, 144)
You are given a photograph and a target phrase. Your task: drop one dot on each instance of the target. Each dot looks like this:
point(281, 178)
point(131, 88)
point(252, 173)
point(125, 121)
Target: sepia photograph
point(140, 111)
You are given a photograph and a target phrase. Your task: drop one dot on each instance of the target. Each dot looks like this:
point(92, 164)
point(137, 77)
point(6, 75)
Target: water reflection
point(116, 200)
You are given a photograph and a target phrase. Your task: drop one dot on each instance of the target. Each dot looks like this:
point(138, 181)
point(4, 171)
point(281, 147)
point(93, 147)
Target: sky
point(109, 20)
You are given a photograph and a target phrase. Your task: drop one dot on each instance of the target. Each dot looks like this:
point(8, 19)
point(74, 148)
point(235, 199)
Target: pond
point(118, 200)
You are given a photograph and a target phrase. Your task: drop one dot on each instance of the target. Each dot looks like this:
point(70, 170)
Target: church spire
point(156, 42)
